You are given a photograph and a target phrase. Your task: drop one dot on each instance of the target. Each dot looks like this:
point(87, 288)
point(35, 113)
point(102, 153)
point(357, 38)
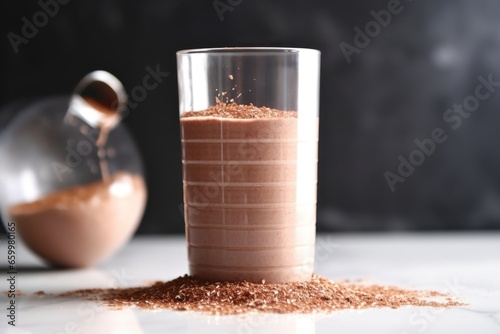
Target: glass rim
point(248, 50)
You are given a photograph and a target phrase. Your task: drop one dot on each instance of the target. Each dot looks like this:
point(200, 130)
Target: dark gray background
point(394, 91)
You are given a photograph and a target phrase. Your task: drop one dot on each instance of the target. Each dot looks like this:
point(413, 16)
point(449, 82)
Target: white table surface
point(464, 264)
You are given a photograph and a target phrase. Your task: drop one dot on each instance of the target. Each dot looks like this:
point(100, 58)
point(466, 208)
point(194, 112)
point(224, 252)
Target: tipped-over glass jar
point(71, 177)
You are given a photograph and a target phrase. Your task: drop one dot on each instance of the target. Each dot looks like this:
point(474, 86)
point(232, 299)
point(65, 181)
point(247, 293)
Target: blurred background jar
point(71, 174)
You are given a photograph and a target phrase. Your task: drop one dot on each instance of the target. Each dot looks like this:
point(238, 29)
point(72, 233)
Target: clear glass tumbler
point(249, 131)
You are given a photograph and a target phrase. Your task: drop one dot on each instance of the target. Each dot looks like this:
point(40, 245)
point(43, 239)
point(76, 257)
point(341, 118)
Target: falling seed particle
point(231, 76)
point(111, 152)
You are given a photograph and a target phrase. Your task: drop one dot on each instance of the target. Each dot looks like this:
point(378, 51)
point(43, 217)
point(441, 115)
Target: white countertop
point(464, 264)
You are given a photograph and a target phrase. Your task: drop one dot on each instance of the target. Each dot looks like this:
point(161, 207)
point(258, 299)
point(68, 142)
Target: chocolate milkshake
point(249, 193)
point(79, 226)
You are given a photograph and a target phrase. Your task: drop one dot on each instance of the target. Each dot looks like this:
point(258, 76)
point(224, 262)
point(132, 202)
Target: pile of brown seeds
point(234, 110)
point(319, 295)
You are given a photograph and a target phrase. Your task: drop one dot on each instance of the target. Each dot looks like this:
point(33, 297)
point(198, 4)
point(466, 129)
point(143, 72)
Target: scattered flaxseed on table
point(319, 295)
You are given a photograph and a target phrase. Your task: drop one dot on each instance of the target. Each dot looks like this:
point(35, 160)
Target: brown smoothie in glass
point(249, 194)
point(79, 226)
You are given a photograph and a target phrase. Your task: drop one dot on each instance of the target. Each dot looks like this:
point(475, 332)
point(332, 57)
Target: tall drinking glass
point(249, 131)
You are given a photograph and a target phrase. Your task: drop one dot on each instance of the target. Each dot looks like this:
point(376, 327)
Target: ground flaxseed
point(234, 110)
point(319, 295)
